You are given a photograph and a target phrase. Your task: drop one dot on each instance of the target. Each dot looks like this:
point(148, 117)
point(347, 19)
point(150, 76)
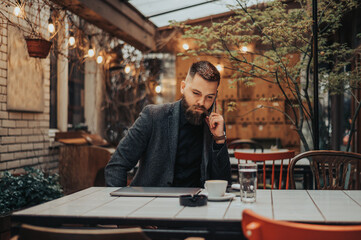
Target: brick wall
point(24, 136)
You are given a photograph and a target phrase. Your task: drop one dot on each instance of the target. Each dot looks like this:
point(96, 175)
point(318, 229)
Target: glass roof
point(160, 12)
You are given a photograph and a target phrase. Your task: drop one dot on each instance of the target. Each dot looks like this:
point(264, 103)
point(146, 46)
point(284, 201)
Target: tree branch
point(352, 130)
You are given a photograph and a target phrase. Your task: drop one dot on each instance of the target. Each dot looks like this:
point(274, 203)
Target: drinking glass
point(248, 181)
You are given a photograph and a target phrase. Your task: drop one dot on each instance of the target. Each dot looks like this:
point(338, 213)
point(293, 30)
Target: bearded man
point(180, 144)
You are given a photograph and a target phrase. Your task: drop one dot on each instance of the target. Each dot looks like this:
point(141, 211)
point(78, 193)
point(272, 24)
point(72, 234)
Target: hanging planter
point(38, 47)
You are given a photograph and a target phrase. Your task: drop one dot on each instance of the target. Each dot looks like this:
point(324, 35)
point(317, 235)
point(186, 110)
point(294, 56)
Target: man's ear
point(183, 85)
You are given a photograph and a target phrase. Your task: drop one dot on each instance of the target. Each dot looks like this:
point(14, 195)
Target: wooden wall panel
point(291, 137)
point(232, 131)
point(245, 92)
point(245, 111)
point(227, 89)
point(246, 131)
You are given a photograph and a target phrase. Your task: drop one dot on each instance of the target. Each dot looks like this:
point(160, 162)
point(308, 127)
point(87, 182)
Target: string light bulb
point(219, 67)
point(91, 51)
point(244, 49)
point(158, 89)
point(71, 41)
point(185, 46)
point(17, 11)
point(51, 27)
point(100, 59)
point(127, 69)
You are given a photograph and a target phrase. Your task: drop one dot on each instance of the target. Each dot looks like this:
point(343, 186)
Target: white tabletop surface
point(315, 206)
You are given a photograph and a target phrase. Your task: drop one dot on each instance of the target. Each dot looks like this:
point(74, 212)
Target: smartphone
point(214, 105)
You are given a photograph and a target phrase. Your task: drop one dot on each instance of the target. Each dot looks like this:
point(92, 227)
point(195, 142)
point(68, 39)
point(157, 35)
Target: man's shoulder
point(161, 109)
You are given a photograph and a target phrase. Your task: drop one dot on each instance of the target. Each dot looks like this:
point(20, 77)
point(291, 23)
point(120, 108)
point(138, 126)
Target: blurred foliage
point(130, 79)
point(278, 35)
point(28, 189)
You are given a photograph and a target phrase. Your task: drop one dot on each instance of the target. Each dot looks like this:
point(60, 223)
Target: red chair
point(256, 227)
point(268, 157)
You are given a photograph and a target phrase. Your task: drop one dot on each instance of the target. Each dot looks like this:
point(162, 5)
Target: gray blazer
point(153, 140)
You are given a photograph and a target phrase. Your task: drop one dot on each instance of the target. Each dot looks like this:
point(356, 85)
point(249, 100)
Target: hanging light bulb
point(244, 49)
point(100, 59)
point(17, 11)
point(127, 69)
point(158, 89)
point(219, 67)
point(71, 41)
point(91, 51)
point(185, 46)
point(51, 27)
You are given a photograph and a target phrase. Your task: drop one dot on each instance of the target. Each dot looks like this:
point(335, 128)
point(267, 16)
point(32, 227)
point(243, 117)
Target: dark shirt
point(187, 169)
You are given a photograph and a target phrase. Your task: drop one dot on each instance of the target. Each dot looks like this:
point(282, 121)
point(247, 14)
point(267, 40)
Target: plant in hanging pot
point(38, 47)
point(33, 15)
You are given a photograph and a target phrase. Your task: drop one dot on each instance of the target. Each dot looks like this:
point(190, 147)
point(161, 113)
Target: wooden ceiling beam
point(116, 17)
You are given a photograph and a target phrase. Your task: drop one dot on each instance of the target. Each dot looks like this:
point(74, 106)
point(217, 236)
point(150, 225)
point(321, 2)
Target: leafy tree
point(281, 37)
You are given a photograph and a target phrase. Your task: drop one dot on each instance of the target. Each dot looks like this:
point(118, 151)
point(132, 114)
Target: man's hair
point(206, 70)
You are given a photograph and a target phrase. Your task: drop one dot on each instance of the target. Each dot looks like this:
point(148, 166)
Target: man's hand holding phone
point(215, 123)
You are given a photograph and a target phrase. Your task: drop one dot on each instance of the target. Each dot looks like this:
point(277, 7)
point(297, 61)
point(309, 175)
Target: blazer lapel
point(173, 127)
point(207, 141)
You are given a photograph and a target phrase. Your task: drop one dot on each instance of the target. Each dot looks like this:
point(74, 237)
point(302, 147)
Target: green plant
point(28, 189)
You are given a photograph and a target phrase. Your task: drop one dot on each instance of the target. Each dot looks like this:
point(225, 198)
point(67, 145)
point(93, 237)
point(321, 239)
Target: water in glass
point(248, 182)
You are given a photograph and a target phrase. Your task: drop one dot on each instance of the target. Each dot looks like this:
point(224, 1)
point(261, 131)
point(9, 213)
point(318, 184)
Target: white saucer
point(236, 186)
point(227, 196)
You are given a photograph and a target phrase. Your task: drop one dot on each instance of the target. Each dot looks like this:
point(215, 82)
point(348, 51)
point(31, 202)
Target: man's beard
point(192, 116)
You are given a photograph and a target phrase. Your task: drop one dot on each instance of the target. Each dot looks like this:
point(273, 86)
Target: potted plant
point(36, 36)
point(38, 47)
point(36, 43)
point(24, 190)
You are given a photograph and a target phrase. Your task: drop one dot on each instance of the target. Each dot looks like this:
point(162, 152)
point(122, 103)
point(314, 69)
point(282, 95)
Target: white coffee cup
point(216, 188)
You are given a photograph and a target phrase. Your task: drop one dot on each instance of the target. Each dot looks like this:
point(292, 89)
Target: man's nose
point(201, 101)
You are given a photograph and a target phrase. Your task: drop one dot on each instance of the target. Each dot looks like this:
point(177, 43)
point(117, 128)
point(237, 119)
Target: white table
point(95, 206)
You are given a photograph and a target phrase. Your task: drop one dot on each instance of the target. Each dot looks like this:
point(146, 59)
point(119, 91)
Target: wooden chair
point(256, 227)
point(29, 232)
point(240, 143)
point(268, 157)
point(81, 167)
point(330, 169)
